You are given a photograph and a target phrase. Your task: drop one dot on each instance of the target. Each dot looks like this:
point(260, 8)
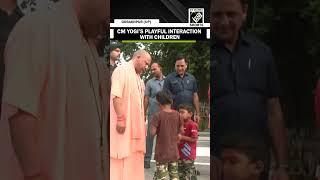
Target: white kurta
point(48, 70)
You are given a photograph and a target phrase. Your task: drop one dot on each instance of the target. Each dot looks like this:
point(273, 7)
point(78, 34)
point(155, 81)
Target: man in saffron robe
point(127, 126)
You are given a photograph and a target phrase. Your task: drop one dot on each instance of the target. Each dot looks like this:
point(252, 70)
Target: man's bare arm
point(24, 135)
point(117, 104)
point(277, 131)
point(121, 117)
point(196, 104)
point(146, 104)
point(153, 130)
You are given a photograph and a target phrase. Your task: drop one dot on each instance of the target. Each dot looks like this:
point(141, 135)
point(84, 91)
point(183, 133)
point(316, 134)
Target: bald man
point(53, 123)
point(127, 127)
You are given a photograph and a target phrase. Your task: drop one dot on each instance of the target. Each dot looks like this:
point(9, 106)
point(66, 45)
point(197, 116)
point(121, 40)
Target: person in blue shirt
point(183, 87)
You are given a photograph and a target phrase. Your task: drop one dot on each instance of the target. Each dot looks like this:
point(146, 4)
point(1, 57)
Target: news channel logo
point(196, 15)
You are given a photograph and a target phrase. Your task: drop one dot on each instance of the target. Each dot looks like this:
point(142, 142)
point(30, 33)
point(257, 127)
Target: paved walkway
point(202, 162)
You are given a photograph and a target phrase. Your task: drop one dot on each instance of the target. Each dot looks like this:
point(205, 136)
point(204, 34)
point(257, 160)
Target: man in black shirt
point(245, 87)
point(113, 56)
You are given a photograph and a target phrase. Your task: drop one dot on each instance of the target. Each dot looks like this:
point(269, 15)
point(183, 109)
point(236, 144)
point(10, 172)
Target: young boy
point(244, 157)
point(187, 144)
point(166, 125)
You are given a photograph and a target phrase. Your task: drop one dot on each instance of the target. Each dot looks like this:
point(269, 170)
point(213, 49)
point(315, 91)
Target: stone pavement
point(202, 162)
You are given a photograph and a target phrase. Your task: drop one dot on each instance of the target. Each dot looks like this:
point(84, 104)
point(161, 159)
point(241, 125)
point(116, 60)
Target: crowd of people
point(68, 114)
point(166, 103)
